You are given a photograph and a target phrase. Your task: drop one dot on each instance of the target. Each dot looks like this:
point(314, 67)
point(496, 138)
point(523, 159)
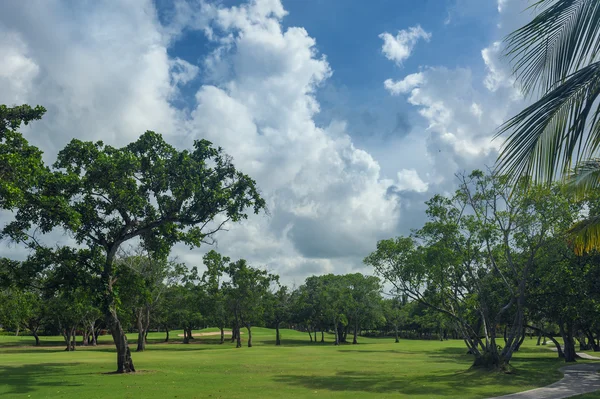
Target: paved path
point(580, 354)
point(578, 379)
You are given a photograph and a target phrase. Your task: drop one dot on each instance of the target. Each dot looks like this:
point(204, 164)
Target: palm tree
point(556, 58)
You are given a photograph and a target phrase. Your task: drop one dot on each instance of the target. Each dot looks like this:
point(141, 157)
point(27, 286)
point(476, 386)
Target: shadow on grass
point(29, 377)
point(530, 372)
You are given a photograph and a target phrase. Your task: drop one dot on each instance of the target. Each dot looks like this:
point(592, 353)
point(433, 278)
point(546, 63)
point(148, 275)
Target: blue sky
point(349, 114)
point(347, 33)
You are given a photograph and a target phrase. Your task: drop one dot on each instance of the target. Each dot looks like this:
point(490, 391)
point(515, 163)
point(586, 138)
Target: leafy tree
point(365, 300)
point(142, 282)
point(473, 258)
point(557, 55)
point(394, 314)
point(279, 306)
point(246, 293)
point(215, 304)
point(21, 164)
point(188, 298)
point(308, 306)
point(147, 190)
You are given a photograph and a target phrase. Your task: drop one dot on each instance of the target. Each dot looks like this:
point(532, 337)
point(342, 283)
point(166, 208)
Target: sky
point(348, 114)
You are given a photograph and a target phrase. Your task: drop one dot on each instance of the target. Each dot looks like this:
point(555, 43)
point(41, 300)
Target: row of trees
point(165, 295)
point(497, 260)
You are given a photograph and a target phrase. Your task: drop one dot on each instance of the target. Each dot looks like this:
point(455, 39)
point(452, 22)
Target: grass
point(376, 368)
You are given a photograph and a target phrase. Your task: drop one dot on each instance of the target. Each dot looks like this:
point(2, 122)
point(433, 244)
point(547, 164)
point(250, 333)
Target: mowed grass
point(376, 368)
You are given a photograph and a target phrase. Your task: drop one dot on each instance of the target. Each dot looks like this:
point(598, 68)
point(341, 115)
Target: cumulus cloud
point(461, 114)
point(409, 179)
point(398, 48)
point(107, 73)
point(405, 85)
point(328, 201)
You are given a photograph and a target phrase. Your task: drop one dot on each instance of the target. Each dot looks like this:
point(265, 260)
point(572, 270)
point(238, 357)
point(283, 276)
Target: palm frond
point(584, 178)
point(562, 38)
point(561, 127)
point(586, 235)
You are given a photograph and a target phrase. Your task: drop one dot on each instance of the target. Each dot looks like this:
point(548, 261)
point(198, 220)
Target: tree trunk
point(124, 360)
point(186, 340)
point(539, 338)
point(520, 341)
point(233, 332)
point(141, 341)
point(190, 335)
point(222, 335)
point(337, 333)
point(67, 337)
point(249, 335)
point(354, 341)
point(167, 332)
point(592, 341)
point(92, 337)
point(310, 335)
point(396, 331)
point(37, 338)
point(322, 336)
point(73, 338)
point(567, 335)
point(277, 337)
point(490, 359)
point(85, 337)
point(238, 338)
point(17, 332)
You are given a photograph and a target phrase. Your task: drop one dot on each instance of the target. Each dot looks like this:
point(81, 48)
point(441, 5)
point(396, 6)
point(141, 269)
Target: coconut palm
point(556, 58)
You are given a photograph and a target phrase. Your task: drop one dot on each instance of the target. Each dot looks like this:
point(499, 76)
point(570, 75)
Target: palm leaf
point(562, 38)
point(586, 235)
point(584, 178)
point(561, 127)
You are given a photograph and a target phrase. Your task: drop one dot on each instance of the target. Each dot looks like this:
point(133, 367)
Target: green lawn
point(376, 368)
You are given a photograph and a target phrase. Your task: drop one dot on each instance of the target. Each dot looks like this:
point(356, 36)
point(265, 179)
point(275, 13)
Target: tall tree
point(473, 258)
point(144, 280)
point(279, 304)
point(365, 300)
point(246, 292)
point(147, 190)
point(556, 56)
point(215, 305)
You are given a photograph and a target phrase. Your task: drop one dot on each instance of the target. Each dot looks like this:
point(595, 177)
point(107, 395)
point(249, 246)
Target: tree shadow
point(449, 384)
point(28, 377)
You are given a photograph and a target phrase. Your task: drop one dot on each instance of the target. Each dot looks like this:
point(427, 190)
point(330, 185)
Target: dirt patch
point(207, 334)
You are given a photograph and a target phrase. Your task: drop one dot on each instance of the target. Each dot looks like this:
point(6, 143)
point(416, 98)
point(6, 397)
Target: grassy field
point(376, 368)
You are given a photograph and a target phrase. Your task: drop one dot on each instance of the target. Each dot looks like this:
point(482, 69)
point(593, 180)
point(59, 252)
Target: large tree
point(556, 57)
point(473, 258)
point(149, 191)
point(215, 303)
point(247, 292)
point(142, 281)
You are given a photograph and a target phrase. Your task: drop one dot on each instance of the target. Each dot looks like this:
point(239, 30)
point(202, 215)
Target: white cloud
point(398, 48)
point(17, 70)
point(327, 199)
point(462, 115)
point(409, 179)
point(405, 85)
